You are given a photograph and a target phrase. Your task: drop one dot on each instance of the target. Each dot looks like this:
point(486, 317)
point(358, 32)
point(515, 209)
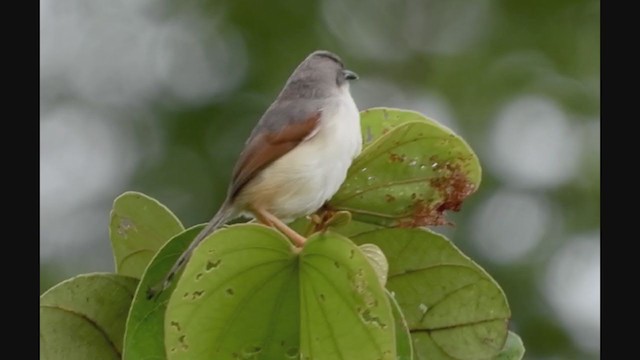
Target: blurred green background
point(159, 96)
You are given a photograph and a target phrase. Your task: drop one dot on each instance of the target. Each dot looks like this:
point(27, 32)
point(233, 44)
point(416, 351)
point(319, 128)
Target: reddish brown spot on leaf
point(453, 186)
point(389, 198)
point(397, 158)
point(423, 215)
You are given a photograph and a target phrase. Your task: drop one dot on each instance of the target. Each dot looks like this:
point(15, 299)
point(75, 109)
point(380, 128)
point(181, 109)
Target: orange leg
point(269, 219)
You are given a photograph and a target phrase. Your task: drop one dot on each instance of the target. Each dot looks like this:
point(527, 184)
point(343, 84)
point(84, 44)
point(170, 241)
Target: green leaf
point(144, 337)
point(139, 226)
point(84, 317)
point(247, 293)
point(404, 344)
point(410, 174)
point(426, 349)
point(513, 348)
point(453, 308)
point(378, 121)
point(353, 228)
point(234, 273)
point(345, 311)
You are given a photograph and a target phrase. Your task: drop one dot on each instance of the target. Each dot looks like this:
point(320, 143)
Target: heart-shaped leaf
point(453, 308)
point(247, 293)
point(84, 317)
point(413, 171)
point(139, 226)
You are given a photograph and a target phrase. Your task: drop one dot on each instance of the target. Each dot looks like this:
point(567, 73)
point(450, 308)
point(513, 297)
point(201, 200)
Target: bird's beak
point(350, 75)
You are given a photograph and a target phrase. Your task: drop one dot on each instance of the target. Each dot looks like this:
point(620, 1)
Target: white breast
point(312, 173)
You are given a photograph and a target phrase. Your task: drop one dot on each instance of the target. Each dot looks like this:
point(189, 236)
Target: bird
point(296, 157)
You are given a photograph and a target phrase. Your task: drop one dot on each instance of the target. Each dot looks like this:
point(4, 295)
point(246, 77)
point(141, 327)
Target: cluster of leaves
point(376, 285)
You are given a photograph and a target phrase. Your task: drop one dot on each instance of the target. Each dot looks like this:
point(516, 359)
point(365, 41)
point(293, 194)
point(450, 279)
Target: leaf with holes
point(410, 174)
point(453, 308)
point(84, 317)
point(139, 226)
point(247, 293)
point(345, 311)
point(144, 337)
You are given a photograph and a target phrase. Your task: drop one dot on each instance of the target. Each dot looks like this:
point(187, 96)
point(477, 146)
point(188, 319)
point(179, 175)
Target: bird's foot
point(269, 219)
point(323, 220)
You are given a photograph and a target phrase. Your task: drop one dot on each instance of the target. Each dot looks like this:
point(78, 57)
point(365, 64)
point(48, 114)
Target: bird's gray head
point(321, 74)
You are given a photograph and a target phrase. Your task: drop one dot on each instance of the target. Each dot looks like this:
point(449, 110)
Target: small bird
point(296, 157)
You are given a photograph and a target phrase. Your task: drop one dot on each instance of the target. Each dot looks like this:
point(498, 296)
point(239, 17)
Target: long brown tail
point(221, 217)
